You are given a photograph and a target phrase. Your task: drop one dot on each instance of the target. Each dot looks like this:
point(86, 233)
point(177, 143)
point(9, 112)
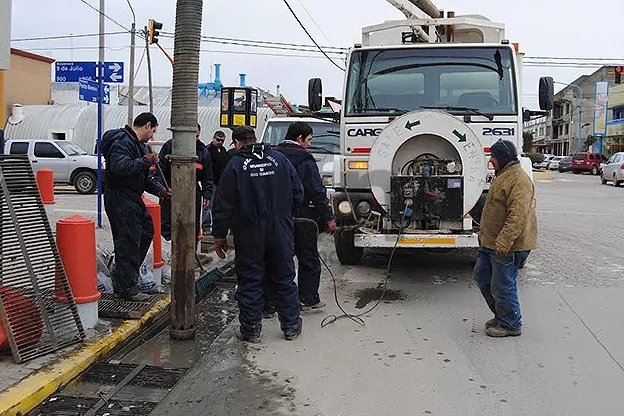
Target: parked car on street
point(613, 170)
point(587, 162)
point(546, 162)
point(565, 164)
point(71, 164)
point(554, 162)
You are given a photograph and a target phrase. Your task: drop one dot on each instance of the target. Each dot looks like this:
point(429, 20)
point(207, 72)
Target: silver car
point(613, 170)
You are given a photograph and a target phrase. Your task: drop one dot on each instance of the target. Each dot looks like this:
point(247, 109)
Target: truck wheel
point(85, 183)
point(346, 250)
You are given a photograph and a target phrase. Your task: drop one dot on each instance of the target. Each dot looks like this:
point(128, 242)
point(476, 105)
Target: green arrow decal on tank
point(411, 124)
point(462, 137)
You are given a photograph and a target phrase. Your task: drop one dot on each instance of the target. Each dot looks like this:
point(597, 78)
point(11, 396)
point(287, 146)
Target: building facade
point(28, 81)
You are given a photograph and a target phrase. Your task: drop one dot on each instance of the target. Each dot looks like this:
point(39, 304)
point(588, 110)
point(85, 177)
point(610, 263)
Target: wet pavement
point(423, 350)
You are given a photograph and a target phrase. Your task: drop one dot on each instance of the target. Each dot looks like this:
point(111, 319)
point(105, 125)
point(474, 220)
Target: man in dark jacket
point(204, 183)
point(258, 193)
point(127, 177)
point(314, 214)
point(219, 158)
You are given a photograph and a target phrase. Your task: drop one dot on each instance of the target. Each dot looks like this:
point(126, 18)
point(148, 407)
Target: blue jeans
point(207, 211)
point(497, 276)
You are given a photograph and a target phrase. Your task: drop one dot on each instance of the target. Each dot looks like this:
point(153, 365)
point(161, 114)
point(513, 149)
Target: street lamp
point(580, 90)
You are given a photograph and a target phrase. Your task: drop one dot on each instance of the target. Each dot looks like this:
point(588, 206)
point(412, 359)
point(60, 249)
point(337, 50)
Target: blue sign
point(74, 71)
point(88, 91)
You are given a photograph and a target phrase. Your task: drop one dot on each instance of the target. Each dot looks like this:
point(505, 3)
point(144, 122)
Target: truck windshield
point(71, 148)
point(458, 79)
point(325, 136)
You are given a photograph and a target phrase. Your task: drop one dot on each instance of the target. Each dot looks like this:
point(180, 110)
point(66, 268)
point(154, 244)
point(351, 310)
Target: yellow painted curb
point(28, 393)
point(542, 176)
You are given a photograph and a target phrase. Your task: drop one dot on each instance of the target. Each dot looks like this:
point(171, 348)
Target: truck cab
point(423, 101)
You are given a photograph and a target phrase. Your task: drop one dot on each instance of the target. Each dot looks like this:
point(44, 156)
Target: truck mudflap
point(417, 240)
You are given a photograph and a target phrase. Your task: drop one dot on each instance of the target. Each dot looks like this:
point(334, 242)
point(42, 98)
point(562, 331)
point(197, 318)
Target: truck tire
point(346, 251)
point(85, 182)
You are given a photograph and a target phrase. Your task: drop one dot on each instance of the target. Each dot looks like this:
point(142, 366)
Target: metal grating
point(36, 322)
point(113, 389)
point(110, 306)
point(79, 406)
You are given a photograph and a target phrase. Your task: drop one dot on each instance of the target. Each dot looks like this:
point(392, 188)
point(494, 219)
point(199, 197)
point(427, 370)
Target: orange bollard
point(154, 209)
point(75, 238)
point(45, 183)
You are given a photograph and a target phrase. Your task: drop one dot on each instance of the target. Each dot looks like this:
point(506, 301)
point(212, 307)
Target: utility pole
point(149, 71)
point(131, 81)
point(184, 125)
point(100, 78)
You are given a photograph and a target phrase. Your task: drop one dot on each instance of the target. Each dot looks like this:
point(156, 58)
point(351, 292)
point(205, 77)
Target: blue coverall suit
point(203, 189)
point(315, 209)
point(127, 177)
point(257, 195)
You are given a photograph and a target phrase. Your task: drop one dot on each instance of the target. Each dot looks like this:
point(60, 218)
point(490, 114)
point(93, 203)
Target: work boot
point(292, 334)
point(491, 323)
point(501, 332)
point(318, 305)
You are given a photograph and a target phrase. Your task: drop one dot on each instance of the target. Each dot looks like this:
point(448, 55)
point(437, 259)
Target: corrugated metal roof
point(79, 122)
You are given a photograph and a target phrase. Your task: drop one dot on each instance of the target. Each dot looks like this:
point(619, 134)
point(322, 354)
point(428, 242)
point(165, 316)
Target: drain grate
point(78, 406)
point(110, 306)
point(37, 310)
point(113, 389)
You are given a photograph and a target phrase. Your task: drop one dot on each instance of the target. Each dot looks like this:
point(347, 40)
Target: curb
point(34, 389)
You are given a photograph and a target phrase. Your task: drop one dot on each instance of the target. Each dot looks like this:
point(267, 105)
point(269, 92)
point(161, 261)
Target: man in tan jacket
point(508, 234)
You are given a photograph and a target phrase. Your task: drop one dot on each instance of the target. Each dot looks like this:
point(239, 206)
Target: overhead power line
point(254, 42)
point(310, 36)
point(85, 35)
point(312, 18)
point(106, 16)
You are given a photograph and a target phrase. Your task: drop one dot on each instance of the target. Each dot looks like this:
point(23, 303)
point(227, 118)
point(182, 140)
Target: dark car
point(565, 164)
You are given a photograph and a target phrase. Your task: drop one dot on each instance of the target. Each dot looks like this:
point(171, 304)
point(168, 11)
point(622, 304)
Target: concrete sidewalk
point(26, 385)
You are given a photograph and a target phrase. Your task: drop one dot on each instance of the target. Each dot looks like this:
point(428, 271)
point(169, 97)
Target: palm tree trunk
point(183, 178)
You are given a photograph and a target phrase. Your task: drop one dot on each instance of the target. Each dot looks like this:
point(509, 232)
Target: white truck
point(71, 164)
point(423, 101)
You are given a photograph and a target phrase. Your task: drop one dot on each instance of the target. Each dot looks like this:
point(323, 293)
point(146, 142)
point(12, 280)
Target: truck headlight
point(344, 207)
point(363, 207)
point(328, 180)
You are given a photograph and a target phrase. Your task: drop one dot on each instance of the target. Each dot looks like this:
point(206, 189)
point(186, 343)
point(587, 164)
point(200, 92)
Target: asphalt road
point(423, 350)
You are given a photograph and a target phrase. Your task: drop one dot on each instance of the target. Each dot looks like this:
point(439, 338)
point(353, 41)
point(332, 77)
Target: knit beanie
point(504, 152)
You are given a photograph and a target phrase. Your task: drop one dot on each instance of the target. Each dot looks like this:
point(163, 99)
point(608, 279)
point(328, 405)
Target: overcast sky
point(546, 28)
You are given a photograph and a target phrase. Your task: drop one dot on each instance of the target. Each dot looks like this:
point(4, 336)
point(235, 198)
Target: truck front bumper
point(417, 240)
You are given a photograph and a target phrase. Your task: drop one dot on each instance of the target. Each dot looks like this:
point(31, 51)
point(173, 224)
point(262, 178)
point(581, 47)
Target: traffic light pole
point(131, 80)
point(149, 70)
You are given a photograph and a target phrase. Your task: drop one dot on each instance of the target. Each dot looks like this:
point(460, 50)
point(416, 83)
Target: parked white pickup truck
point(71, 164)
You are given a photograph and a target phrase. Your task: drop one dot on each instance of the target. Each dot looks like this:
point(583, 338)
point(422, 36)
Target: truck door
point(48, 155)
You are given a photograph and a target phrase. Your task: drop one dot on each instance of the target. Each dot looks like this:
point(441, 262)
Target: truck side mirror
point(526, 115)
point(546, 93)
point(315, 94)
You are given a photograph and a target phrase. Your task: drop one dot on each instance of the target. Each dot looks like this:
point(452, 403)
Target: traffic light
point(154, 27)
point(618, 74)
